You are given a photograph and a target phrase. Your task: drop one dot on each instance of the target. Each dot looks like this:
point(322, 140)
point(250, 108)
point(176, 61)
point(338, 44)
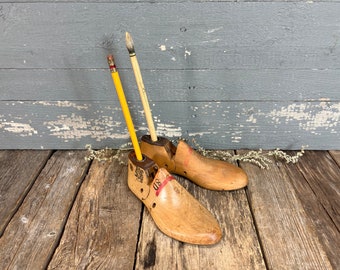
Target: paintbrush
point(141, 88)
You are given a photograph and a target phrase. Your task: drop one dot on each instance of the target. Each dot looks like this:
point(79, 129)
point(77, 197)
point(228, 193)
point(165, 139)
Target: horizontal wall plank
point(157, 1)
point(186, 35)
point(228, 125)
point(171, 85)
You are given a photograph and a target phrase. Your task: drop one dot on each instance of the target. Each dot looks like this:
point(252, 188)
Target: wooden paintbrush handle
point(144, 98)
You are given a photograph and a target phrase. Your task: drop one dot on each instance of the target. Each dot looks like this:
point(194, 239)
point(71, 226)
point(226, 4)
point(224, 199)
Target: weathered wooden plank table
point(59, 211)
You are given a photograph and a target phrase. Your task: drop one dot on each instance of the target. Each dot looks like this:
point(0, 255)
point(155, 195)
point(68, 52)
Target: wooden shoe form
point(174, 210)
point(183, 160)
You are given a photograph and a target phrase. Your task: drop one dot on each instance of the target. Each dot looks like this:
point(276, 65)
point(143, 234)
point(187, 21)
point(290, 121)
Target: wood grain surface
point(31, 236)
point(324, 175)
point(282, 221)
point(103, 226)
point(81, 215)
point(18, 171)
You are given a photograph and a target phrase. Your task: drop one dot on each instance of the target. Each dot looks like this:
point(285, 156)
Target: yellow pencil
point(124, 105)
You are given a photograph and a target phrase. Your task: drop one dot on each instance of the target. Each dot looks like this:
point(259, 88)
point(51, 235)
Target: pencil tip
point(129, 43)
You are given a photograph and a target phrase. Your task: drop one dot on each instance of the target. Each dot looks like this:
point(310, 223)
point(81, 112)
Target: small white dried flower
point(107, 154)
point(258, 158)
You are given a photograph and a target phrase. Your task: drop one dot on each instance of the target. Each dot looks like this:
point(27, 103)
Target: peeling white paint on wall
point(211, 41)
point(48, 121)
point(214, 30)
point(162, 47)
point(62, 103)
point(168, 130)
point(186, 53)
point(309, 118)
point(251, 119)
point(193, 134)
point(163, 129)
point(236, 136)
point(236, 139)
point(144, 129)
point(75, 127)
point(23, 129)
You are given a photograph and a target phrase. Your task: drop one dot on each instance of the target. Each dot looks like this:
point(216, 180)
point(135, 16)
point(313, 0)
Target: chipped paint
point(240, 123)
point(214, 30)
point(236, 136)
point(23, 129)
point(162, 47)
point(211, 40)
point(75, 127)
point(168, 130)
point(309, 119)
point(193, 134)
point(186, 53)
point(63, 103)
point(251, 119)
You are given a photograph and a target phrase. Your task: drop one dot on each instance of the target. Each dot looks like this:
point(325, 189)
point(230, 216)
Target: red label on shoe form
point(158, 186)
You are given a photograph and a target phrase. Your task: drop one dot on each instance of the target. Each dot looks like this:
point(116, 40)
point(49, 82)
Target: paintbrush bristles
point(129, 44)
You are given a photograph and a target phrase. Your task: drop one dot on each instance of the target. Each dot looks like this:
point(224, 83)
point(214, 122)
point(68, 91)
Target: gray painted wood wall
point(229, 74)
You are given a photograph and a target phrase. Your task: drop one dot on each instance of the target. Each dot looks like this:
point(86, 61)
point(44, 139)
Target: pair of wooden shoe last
point(174, 210)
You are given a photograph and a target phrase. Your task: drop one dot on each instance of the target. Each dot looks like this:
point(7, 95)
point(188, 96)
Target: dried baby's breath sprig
point(199, 148)
point(107, 154)
point(254, 157)
point(279, 154)
point(257, 158)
